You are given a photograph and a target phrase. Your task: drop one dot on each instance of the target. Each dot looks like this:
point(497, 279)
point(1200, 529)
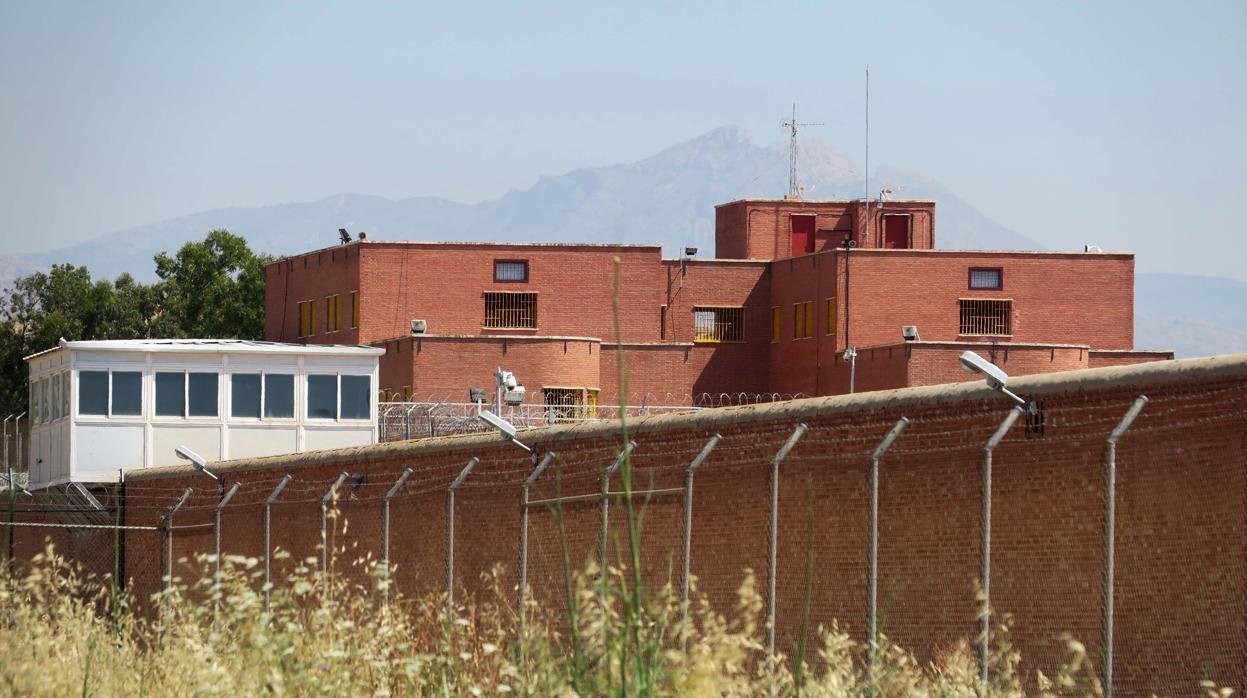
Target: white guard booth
point(97, 407)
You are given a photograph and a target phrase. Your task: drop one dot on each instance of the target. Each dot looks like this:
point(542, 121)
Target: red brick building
point(772, 312)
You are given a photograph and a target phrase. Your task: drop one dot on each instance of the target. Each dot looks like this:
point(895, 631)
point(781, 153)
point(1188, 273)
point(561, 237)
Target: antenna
point(794, 188)
point(866, 233)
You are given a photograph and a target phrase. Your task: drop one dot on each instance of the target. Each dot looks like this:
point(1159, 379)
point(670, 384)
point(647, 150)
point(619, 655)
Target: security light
point(910, 333)
point(185, 453)
point(690, 251)
point(996, 378)
point(344, 236)
point(507, 430)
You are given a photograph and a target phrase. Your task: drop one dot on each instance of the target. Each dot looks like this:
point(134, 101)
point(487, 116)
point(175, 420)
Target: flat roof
point(822, 201)
point(467, 243)
point(212, 346)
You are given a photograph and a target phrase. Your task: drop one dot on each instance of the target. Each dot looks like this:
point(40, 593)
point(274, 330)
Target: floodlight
point(996, 378)
point(344, 236)
point(200, 463)
point(690, 251)
point(507, 430)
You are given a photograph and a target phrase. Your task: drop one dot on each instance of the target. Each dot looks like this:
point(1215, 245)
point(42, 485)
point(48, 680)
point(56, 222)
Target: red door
point(896, 231)
point(802, 234)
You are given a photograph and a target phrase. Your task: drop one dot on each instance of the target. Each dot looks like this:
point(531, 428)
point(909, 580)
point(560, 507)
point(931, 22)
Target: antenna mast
point(794, 187)
point(866, 201)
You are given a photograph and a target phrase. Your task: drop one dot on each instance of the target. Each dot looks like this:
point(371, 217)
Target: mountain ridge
point(667, 198)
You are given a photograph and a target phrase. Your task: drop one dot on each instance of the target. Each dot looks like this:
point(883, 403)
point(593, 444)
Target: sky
point(1117, 123)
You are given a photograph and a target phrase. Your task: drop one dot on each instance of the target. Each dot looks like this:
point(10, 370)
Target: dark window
point(171, 394)
point(92, 392)
point(204, 389)
point(356, 397)
point(510, 270)
point(322, 397)
point(278, 395)
point(245, 395)
point(986, 279)
point(127, 393)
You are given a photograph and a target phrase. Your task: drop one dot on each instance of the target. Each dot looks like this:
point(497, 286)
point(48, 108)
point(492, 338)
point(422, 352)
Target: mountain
point(1193, 315)
point(667, 198)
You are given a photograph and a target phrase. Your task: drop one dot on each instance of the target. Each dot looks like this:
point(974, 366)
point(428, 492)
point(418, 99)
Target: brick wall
point(312, 276)
point(444, 283)
point(762, 229)
point(1180, 543)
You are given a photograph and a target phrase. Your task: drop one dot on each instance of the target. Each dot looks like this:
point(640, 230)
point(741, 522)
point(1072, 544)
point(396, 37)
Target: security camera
point(508, 429)
point(508, 380)
point(973, 363)
point(200, 463)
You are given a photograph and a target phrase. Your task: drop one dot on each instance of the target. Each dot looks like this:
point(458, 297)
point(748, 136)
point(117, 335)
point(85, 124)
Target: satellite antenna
point(794, 188)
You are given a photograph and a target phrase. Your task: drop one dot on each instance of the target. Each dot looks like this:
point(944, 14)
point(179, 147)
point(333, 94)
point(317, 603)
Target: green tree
point(215, 288)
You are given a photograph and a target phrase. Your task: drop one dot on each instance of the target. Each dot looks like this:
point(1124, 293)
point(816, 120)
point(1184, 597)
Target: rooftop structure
point(99, 406)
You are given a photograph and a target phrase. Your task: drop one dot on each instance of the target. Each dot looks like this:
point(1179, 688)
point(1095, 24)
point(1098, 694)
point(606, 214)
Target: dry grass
point(68, 635)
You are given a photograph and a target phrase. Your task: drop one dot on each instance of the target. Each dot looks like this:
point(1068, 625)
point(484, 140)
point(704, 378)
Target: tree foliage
point(213, 288)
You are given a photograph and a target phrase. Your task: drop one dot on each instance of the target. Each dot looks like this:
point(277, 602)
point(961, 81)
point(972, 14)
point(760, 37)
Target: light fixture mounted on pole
point(995, 377)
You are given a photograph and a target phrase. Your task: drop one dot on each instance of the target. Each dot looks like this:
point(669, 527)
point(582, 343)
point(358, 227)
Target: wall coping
point(1141, 375)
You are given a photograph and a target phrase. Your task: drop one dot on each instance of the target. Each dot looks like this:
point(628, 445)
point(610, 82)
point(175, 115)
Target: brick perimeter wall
point(1180, 579)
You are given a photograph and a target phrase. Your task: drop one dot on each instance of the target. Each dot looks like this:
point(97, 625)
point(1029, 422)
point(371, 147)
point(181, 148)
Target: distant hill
point(1193, 315)
point(667, 199)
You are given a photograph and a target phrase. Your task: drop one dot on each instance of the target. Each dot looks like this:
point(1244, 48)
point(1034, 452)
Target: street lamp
point(996, 378)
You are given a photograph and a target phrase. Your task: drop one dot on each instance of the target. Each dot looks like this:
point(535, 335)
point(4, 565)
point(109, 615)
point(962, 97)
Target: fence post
point(985, 570)
point(605, 523)
point(872, 551)
point(216, 526)
point(167, 524)
point(1110, 526)
point(385, 530)
point(450, 531)
point(268, 548)
point(8, 469)
point(773, 549)
point(688, 535)
point(523, 588)
point(324, 529)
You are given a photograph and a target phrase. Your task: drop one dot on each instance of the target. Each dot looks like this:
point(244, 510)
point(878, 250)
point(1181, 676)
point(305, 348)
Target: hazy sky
point(1115, 123)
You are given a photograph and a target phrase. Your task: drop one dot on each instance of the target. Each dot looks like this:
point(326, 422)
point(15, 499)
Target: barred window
point(511, 310)
point(986, 317)
point(564, 404)
point(719, 324)
point(986, 278)
point(510, 270)
point(803, 320)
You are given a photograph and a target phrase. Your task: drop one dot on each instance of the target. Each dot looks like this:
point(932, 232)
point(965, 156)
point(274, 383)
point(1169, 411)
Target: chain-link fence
point(1101, 514)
